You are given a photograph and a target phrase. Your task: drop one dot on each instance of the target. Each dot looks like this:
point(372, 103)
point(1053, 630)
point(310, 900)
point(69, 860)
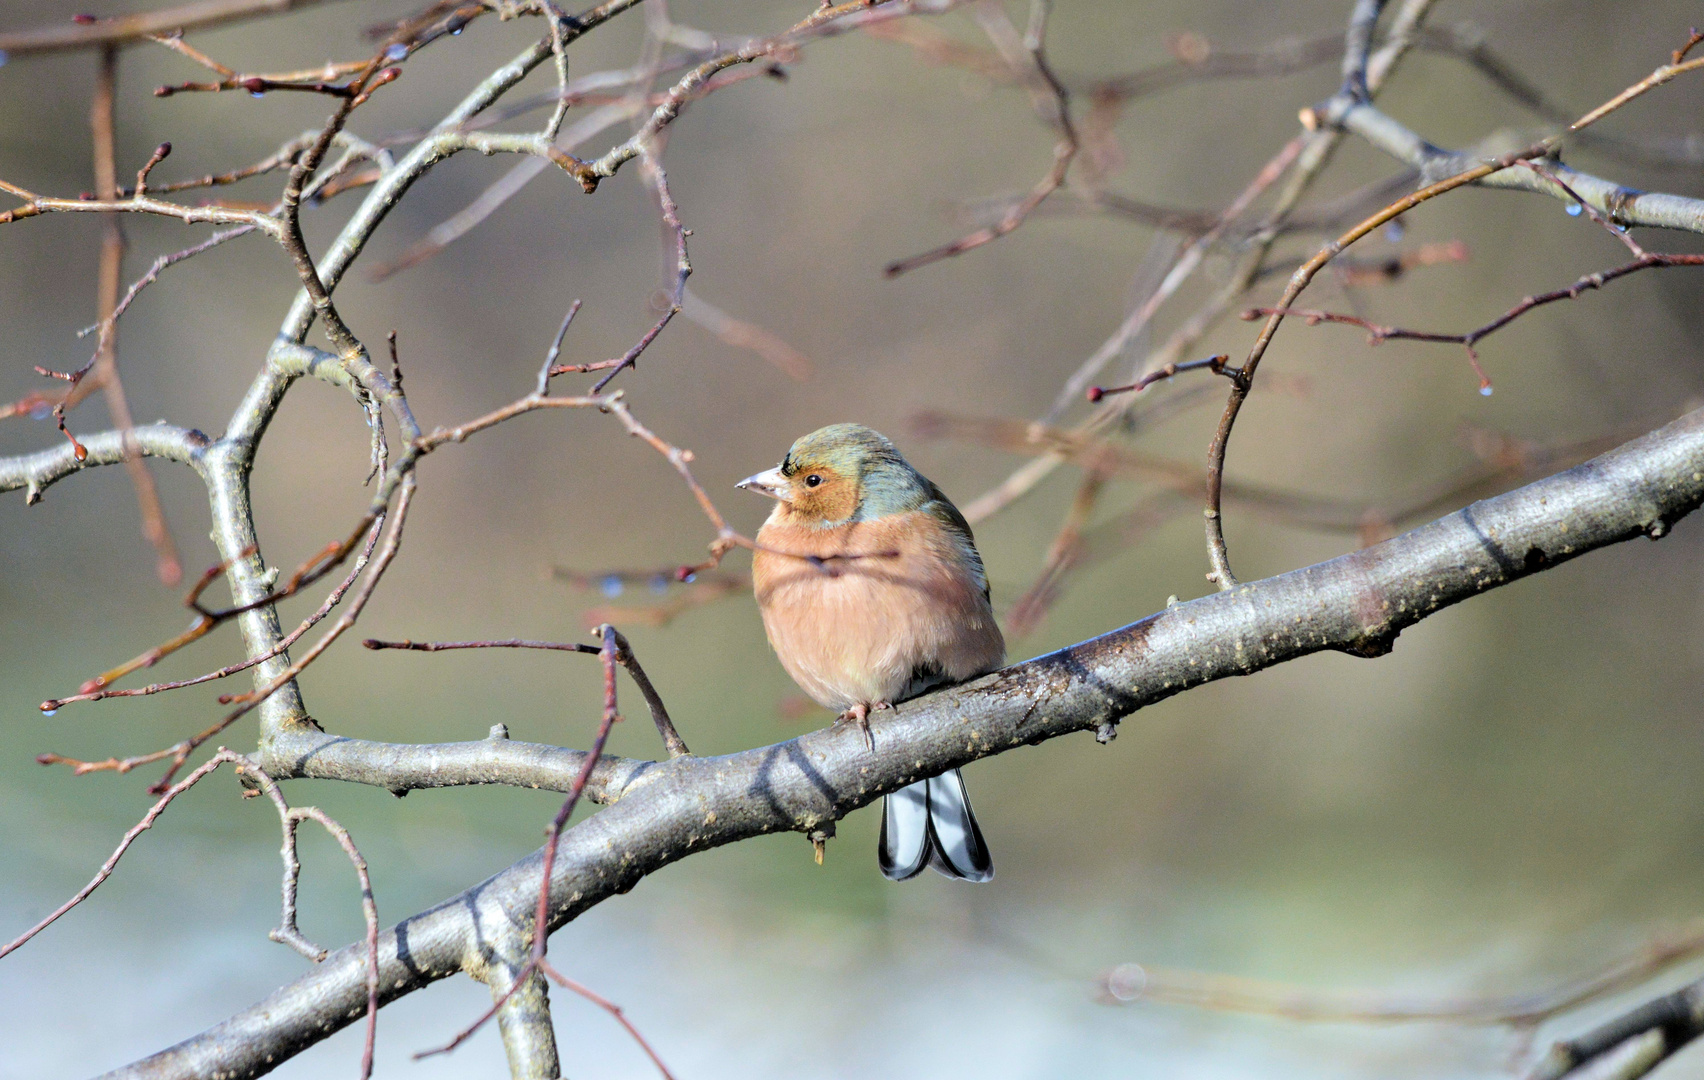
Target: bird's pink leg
point(860, 714)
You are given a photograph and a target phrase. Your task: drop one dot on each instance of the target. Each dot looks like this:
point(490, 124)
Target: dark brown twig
point(1215, 364)
point(331, 601)
point(506, 643)
point(672, 741)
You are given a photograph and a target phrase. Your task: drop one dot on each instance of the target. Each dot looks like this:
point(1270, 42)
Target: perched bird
point(872, 592)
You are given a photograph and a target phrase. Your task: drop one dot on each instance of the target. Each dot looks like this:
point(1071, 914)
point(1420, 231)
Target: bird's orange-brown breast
point(853, 630)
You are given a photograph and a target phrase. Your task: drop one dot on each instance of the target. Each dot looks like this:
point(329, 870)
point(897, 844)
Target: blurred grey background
point(1506, 801)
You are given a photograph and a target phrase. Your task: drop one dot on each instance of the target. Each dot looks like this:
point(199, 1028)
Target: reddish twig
point(105, 361)
point(285, 155)
point(610, 1007)
point(1692, 41)
point(331, 601)
point(1377, 334)
point(180, 751)
point(321, 79)
point(329, 558)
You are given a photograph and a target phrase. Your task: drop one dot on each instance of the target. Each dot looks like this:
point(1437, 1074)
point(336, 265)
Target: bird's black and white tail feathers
point(930, 823)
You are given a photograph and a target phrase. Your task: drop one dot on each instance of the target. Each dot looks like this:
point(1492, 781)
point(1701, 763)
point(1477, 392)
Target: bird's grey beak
point(770, 483)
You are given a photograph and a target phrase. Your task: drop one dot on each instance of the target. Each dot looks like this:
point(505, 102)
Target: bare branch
point(36, 472)
point(1221, 571)
point(1028, 61)
point(1357, 603)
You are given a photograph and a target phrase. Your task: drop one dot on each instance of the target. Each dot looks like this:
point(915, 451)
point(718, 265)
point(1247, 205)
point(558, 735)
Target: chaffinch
point(899, 607)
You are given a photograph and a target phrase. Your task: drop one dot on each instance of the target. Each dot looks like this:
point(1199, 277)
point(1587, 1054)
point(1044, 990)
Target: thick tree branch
point(1623, 205)
point(523, 1012)
point(35, 472)
point(1356, 603)
point(302, 752)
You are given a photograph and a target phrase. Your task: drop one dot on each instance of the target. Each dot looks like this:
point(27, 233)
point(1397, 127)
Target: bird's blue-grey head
point(841, 473)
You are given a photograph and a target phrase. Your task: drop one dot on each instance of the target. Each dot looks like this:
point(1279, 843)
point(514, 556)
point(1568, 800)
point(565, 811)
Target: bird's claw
point(860, 714)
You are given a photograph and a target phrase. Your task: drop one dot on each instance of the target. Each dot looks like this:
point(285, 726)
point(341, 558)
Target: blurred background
point(1507, 801)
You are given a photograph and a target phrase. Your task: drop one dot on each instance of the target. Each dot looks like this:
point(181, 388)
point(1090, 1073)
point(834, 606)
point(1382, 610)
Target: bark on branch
point(34, 472)
point(303, 752)
point(1622, 205)
point(1357, 603)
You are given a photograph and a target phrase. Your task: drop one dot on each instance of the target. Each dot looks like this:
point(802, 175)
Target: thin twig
point(289, 818)
point(624, 655)
point(1215, 364)
point(327, 559)
point(129, 838)
point(1218, 558)
point(124, 29)
point(331, 601)
point(1377, 333)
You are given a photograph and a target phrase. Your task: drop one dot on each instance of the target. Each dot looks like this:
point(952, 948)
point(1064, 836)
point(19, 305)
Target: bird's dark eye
point(812, 480)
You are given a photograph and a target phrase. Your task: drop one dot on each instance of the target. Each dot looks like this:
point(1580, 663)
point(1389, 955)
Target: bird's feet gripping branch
point(860, 714)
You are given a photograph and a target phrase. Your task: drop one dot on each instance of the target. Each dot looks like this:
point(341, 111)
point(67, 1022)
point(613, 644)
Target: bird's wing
point(942, 509)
